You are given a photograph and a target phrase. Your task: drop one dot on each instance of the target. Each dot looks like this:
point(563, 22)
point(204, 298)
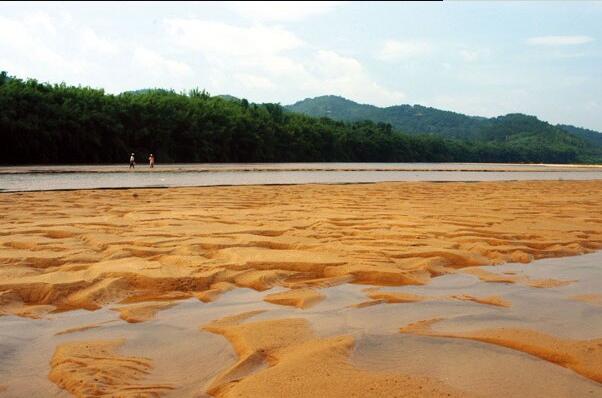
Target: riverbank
point(241, 167)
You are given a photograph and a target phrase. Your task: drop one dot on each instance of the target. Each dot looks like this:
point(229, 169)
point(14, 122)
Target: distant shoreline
point(296, 167)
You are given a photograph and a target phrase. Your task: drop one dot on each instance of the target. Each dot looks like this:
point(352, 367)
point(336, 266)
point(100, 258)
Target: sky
point(478, 58)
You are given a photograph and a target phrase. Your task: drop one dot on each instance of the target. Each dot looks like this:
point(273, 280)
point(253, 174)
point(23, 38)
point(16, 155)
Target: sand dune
point(88, 249)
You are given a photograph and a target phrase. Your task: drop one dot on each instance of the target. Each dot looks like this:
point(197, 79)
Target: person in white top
point(132, 161)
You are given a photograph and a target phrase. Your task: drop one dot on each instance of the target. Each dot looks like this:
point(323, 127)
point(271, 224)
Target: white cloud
point(265, 11)
point(258, 61)
point(280, 66)
point(29, 44)
point(92, 42)
point(248, 54)
point(271, 59)
point(332, 73)
point(25, 32)
point(151, 61)
point(41, 21)
point(393, 50)
point(332, 65)
point(559, 40)
point(249, 60)
point(221, 38)
point(252, 81)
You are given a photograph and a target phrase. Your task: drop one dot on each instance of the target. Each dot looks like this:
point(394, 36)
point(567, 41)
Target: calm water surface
point(86, 177)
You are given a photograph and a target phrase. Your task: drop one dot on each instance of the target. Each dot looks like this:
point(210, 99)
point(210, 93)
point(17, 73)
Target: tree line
point(43, 123)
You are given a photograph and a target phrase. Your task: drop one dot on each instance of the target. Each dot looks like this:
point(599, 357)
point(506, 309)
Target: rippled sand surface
point(303, 290)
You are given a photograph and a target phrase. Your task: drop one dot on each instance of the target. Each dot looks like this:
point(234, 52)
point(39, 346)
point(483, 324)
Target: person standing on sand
point(151, 161)
point(132, 161)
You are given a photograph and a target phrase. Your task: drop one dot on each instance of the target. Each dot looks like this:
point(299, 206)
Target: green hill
point(417, 119)
point(590, 136)
point(412, 119)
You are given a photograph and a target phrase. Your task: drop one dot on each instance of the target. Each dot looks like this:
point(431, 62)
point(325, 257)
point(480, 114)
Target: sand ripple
point(88, 249)
point(94, 368)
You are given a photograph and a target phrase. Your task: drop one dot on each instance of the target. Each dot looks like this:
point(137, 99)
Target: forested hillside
point(410, 119)
point(591, 136)
point(416, 119)
point(58, 124)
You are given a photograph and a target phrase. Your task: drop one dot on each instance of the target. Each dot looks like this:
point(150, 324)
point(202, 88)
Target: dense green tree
point(58, 124)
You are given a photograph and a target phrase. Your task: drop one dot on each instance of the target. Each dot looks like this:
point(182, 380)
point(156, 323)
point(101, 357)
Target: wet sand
point(303, 290)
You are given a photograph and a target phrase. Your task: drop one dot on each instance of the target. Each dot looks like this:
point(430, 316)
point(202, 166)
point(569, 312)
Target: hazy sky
point(479, 58)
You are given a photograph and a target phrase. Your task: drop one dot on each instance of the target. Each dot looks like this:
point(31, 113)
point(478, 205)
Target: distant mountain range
point(417, 119)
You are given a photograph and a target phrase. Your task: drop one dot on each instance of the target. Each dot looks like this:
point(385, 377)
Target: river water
point(36, 178)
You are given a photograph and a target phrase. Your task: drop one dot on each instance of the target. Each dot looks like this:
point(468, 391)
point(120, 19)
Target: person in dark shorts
point(132, 161)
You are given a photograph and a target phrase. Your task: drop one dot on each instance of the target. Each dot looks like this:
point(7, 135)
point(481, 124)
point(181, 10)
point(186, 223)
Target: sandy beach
point(409, 289)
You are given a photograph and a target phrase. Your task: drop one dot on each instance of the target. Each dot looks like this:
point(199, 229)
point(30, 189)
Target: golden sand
point(87, 249)
point(140, 251)
point(300, 298)
point(487, 276)
point(141, 312)
point(368, 303)
point(584, 357)
point(548, 283)
point(94, 368)
point(82, 328)
point(489, 300)
point(594, 299)
point(394, 297)
point(379, 296)
point(214, 291)
point(284, 358)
